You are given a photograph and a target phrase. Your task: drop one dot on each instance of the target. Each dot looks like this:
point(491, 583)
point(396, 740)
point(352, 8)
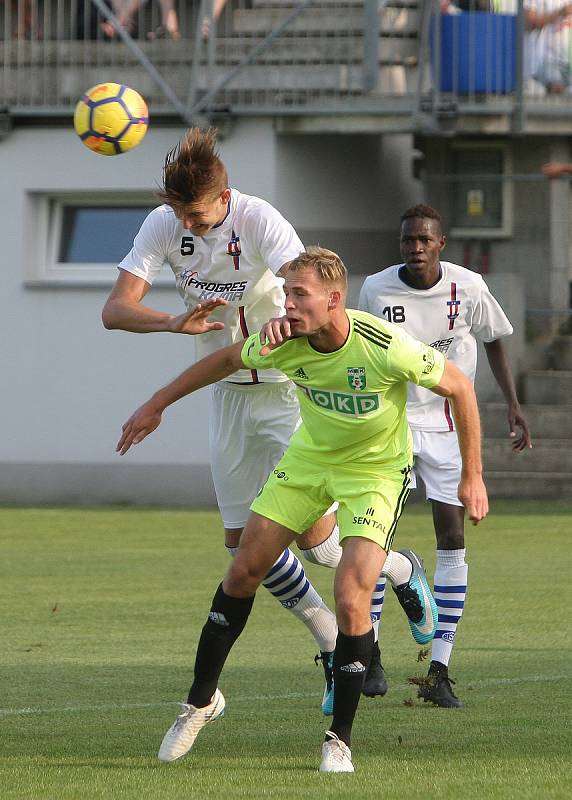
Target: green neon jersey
point(352, 401)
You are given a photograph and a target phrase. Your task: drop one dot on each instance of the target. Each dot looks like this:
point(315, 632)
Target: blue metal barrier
point(477, 53)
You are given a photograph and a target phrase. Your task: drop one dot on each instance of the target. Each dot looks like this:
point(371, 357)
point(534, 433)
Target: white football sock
point(450, 589)
point(376, 606)
point(287, 581)
point(327, 553)
point(397, 568)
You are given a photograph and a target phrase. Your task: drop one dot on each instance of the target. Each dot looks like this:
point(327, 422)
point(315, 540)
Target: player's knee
point(243, 577)
point(352, 611)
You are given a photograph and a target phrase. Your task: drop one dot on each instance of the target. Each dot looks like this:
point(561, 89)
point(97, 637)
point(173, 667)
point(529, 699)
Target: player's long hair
point(327, 265)
point(193, 171)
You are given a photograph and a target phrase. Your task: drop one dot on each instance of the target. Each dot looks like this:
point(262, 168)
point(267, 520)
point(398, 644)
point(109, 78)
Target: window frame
point(505, 229)
point(45, 215)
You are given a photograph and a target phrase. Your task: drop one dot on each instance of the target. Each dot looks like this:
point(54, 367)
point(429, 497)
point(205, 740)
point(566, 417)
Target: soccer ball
point(111, 118)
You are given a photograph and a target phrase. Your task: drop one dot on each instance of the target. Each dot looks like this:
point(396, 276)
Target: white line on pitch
point(12, 712)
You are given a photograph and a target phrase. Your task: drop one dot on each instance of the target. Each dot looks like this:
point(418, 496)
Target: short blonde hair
point(193, 171)
point(326, 264)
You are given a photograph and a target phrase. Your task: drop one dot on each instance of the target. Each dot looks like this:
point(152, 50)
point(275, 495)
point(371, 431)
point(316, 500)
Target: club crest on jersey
point(453, 306)
point(429, 359)
point(356, 378)
point(233, 249)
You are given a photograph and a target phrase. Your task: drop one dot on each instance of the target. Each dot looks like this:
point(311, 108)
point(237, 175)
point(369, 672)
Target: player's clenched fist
point(274, 333)
point(138, 426)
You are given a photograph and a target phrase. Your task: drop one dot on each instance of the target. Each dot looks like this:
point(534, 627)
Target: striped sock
point(450, 590)
point(327, 553)
point(376, 606)
point(288, 583)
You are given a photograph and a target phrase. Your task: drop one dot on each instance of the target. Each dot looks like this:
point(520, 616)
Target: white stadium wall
point(68, 384)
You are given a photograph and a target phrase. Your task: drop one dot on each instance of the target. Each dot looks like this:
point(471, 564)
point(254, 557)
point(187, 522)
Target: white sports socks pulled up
point(327, 553)
point(450, 590)
point(288, 583)
point(397, 568)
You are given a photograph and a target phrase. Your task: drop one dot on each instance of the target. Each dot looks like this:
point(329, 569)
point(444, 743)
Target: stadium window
point(83, 237)
point(101, 235)
point(482, 207)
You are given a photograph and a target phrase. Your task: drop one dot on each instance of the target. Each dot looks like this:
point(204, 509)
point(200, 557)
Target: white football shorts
point(250, 427)
point(437, 461)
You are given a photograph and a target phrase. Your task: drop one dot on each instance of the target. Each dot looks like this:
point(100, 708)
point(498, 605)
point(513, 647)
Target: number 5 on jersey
point(187, 246)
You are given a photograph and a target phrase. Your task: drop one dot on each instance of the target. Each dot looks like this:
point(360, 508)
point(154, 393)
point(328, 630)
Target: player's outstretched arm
point(211, 369)
point(124, 311)
point(459, 389)
point(498, 361)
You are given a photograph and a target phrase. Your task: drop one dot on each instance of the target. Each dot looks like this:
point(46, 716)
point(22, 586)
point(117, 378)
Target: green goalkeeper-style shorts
point(370, 496)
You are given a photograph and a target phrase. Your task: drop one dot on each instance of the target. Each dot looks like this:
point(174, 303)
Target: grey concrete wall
point(539, 246)
point(348, 193)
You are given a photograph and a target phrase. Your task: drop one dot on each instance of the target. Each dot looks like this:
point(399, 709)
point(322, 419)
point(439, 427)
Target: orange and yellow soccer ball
point(111, 119)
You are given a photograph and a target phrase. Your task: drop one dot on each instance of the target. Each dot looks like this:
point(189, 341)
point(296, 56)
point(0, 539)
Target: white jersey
point(237, 261)
point(449, 316)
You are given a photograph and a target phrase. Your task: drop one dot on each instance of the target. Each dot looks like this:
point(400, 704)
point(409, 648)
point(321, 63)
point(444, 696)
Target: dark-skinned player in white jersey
point(450, 308)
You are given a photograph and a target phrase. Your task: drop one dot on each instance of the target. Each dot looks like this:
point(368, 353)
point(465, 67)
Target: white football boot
point(336, 755)
point(182, 734)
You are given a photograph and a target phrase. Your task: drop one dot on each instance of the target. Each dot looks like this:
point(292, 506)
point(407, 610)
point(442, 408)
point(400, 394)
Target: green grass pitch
point(101, 611)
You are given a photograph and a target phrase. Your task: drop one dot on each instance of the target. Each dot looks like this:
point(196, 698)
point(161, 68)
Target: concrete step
point(290, 4)
point(318, 50)
point(545, 421)
point(290, 77)
point(335, 79)
point(547, 455)
point(530, 486)
point(552, 387)
point(229, 50)
point(561, 353)
point(315, 20)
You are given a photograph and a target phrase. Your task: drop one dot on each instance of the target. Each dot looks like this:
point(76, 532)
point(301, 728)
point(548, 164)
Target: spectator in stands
point(169, 27)
point(456, 6)
point(546, 46)
point(557, 169)
point(218, 7)
point(548, 25)
point(23, 15)
point(127, 12)
point(87, 20)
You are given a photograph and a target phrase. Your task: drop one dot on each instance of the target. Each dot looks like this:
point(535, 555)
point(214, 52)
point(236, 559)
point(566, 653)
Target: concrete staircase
point(318, 58)
point(545, 472)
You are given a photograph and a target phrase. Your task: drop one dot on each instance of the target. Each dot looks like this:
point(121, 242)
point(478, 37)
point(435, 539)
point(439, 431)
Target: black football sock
point(351, 662)
point(227, 618)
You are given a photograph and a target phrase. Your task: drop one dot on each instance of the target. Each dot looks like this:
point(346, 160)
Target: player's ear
point(334, 299)
point(225, 195)
point(443, 242)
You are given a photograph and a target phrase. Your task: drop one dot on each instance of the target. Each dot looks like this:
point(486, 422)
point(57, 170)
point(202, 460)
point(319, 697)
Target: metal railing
point(393, 57)
point(251, 56)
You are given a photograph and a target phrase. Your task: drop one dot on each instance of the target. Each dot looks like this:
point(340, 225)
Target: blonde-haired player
point(353, 446)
